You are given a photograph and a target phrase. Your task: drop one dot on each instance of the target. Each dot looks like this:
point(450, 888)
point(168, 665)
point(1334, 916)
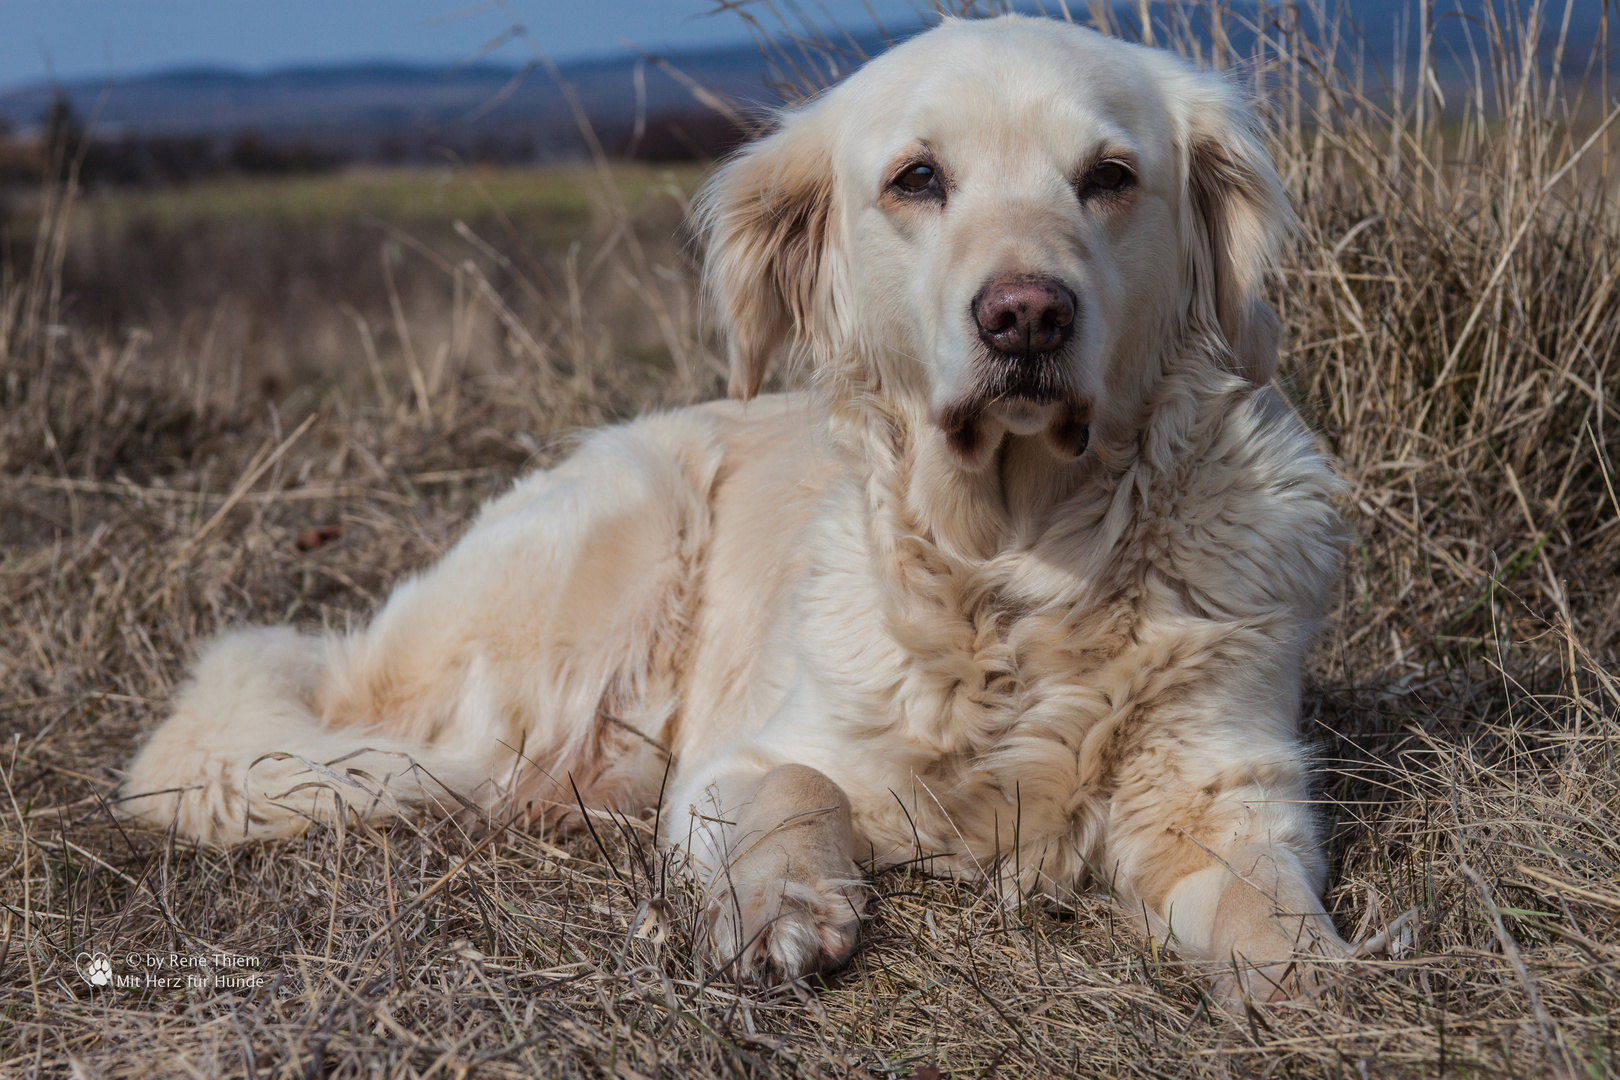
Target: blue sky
point(78, 38)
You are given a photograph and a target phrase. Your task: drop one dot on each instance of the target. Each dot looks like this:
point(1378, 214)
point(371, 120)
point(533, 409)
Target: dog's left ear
point(1259, 343)
point(1240, 215)
point(765, 217)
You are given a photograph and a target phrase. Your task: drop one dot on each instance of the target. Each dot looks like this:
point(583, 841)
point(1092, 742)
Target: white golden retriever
point(1023, 585)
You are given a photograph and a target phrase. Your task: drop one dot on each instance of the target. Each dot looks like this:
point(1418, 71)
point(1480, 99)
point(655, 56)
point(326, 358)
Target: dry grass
point(1455, 327)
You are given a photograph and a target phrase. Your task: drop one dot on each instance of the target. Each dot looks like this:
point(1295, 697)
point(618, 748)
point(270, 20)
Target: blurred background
point(238, 167)
point(245, 176)
point(182, 90)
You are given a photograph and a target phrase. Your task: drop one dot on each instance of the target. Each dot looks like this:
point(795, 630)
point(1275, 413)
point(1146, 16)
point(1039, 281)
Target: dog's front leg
point(776, 852)
point(1228, 874)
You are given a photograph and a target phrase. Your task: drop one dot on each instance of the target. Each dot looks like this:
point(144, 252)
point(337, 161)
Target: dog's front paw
point(779, 930)
point(1280, 960)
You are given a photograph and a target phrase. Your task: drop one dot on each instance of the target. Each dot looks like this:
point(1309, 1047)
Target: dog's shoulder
point(1259, 444)
point(1239, 510)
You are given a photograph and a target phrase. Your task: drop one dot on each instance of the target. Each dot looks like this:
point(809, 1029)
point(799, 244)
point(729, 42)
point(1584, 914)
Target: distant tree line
point(139, 160)
point(132, 159)
point(698, 135)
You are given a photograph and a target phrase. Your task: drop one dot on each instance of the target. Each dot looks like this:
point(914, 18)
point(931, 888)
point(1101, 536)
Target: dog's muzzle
point(1022, 377)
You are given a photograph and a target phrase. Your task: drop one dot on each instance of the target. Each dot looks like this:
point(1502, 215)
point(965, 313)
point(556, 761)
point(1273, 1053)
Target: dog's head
point(1004, 224)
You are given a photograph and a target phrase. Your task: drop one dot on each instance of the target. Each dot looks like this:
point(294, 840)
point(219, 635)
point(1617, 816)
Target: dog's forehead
point(1016, 82)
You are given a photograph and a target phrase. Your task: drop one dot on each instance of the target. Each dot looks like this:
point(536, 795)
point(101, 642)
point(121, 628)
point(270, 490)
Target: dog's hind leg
point(244, 754)
point(535, 666)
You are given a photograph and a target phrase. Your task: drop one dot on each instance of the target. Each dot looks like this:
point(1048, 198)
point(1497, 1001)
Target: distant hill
point(392, 112)
point(381, 108)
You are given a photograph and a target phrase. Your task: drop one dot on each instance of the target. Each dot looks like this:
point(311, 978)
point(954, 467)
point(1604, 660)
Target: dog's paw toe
point(1270, 969)
point(1271, 984)
point(778, 931)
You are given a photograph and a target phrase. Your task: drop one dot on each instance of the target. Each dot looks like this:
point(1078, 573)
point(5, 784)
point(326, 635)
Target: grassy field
point(561, 196)
point(259, 403)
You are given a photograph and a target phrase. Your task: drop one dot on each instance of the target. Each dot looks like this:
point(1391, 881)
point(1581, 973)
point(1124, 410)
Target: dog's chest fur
point(988, 703)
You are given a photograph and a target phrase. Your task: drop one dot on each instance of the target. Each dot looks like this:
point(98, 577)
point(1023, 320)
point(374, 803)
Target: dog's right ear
point(765, 217)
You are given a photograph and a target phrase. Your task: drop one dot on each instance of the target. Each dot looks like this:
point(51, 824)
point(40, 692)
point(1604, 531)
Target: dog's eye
point(1107, 177)
point(917, 178)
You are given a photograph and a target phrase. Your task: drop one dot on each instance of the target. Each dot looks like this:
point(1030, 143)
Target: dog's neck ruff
point(958, 519)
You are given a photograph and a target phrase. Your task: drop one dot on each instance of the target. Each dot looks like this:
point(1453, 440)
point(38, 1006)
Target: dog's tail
point(244, 755)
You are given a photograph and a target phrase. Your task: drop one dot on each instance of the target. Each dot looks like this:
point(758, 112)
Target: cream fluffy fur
point(859, 640)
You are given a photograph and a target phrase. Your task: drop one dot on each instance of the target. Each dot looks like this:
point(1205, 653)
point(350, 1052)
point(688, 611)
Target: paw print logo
point(96, 969)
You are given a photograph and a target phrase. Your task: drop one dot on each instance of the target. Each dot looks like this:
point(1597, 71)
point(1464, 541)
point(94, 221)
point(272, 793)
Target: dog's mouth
point(1022, 395)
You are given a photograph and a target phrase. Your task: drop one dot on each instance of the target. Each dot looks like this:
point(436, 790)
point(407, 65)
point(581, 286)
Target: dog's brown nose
point(1024, 314)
